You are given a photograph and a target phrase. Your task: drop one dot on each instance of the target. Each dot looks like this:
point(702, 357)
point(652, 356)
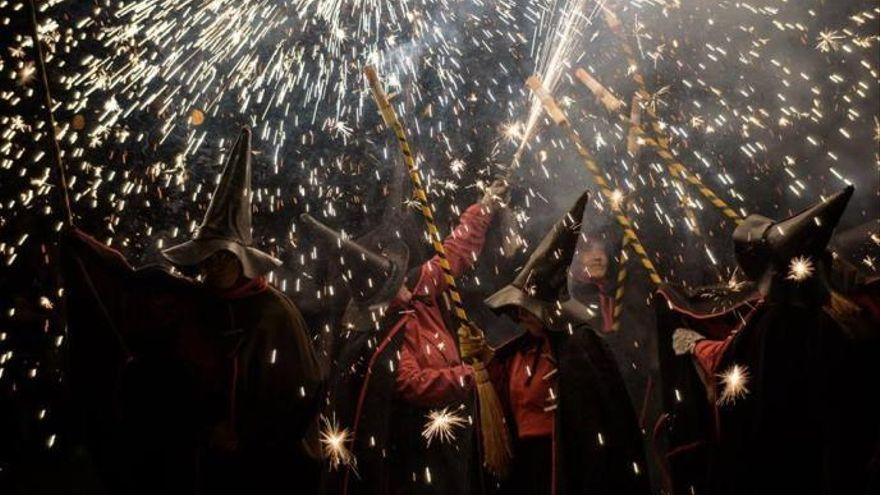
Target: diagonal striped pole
point(391, 120)
point(660, 140)
point(493, 432)
point(619, 290)
point(629, 235)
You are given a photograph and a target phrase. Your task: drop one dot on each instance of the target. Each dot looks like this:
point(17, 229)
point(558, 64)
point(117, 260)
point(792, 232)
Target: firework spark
point(335, 443)
point(734, 381)
point(800, 268)
point(26, 74)
point(441, 425)
point(828, 41)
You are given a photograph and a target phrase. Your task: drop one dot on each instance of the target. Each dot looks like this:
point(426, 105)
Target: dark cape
point(390, 455)
point(592, 400)
point(810, 420)
point(175, 388)
point(809, 423)
point(685, 431)
point(634, 346)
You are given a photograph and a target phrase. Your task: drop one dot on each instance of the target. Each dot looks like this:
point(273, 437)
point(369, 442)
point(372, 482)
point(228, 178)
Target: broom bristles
point(496, 441)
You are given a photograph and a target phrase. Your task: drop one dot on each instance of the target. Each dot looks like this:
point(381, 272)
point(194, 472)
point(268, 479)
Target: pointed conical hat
point(227, 223)
point(760, 242)
point(544, 275)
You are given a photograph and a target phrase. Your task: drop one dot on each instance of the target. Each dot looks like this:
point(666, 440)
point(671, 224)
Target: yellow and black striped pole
point(391, 120)
point(496, 442)
point(661, 141)
point(619, 290)
point(629, 235)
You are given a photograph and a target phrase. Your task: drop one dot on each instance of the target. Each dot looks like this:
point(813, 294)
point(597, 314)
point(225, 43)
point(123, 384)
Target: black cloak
point(179, 391)
point(390, 455)
point(685, 432)
point(809, 423)
point(593, 400)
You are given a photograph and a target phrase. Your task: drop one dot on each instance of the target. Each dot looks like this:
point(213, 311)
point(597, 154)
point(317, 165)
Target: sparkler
point(733, 381)
point(441, 425)
point(335, 443)
point(800, 268)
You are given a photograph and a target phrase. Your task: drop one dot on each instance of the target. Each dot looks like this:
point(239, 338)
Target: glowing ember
point(734, 381)
point(334, 443)
point(512, 131)
point(828, 41)
point(26, 74)
point(616, 198)
point(800, 268)
point(441, 424)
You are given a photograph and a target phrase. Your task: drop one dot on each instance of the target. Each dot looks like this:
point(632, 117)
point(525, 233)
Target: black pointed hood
point(227, 223)
point(760, 243)
point(379, 264)
point(539, 284)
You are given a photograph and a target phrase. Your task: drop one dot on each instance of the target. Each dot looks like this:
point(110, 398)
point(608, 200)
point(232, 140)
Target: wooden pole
point(50, 119)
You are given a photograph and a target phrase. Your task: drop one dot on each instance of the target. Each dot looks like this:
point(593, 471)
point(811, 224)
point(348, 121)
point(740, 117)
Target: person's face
point(592, 262)
point(220, 270)
point(529, 321)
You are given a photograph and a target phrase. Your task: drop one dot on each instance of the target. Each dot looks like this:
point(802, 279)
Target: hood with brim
point(227, 223)
point(761, 243)
point(543, 279)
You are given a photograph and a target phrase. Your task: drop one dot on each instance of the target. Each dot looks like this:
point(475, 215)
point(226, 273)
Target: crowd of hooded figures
point(209, 383)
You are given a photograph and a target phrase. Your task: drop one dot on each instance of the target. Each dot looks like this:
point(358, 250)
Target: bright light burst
point(733, 381)
point(441, 425)
point(564, 36)
point(828, 41)
point(800, 268)
point(335, 444)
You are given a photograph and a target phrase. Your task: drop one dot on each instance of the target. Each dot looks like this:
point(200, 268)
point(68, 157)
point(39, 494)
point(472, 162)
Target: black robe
point(686, 431)
point(809, 423)
point(592, 400)
point(175, 388)
point(390, 455)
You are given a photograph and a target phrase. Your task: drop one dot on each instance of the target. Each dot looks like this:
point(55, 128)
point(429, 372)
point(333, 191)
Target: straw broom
point(496, 441)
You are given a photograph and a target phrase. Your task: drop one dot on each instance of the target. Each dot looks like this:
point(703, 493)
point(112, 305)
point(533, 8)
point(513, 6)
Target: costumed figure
point(617, 292)
point(787, 385)
point(188, 387)
point(573, 426)
point(399, 365)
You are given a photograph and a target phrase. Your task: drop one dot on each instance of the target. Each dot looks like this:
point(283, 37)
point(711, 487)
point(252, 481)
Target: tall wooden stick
point(661, 141)
point(50, 119)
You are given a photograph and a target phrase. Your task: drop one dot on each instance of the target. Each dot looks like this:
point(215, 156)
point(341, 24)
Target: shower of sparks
point(800, 268)
point(335, 444)
point(769, 105)
point(733, 382)
point(441, 425)
point(566, 29)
